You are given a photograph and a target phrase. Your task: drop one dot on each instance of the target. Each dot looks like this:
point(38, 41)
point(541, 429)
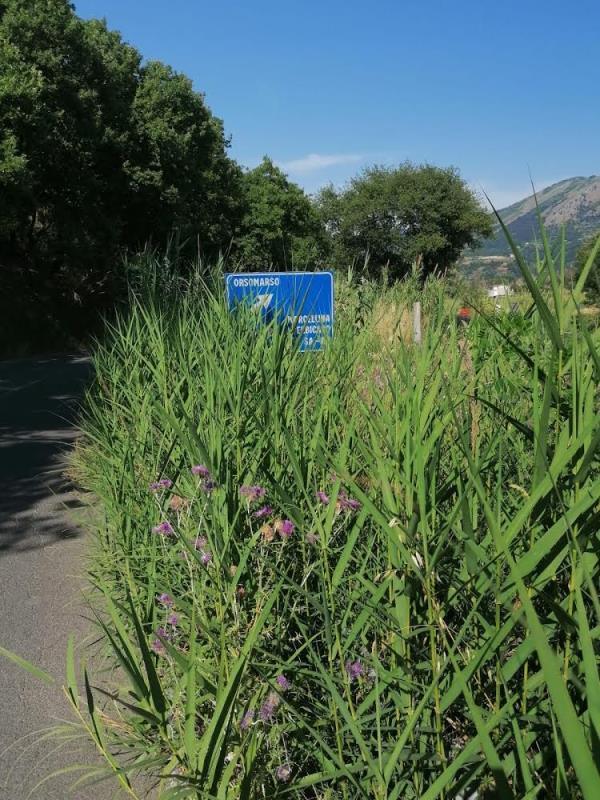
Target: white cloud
point(316, 161)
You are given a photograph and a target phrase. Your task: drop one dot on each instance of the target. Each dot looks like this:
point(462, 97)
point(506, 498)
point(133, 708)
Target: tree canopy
point(280, 227)
point(392, 218)
point(99, 152)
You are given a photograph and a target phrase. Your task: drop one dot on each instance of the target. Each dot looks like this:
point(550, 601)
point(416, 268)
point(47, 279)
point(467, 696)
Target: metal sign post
point(303, 300)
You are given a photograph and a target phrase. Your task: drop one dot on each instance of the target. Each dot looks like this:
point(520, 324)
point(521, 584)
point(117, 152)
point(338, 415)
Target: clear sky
point(497, 88)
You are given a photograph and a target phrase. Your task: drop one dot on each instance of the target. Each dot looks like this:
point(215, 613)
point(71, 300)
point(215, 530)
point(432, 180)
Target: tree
point(280, 228)
point(592, 284)
point(180, 176)
point(390, 219)
point(98, 153)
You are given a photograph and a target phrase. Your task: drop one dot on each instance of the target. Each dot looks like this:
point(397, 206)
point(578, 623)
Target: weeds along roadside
point(411, 608)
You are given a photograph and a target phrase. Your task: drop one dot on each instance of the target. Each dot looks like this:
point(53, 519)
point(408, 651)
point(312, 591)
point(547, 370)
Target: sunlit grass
point(434, 609)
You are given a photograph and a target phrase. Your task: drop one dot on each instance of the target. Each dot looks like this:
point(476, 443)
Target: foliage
point(415, 614)
point(98, 153)
point(590, 248)
point(280, 227)
point(392, 218)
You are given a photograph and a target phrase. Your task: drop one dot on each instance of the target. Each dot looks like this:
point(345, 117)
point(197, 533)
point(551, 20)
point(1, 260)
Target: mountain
point(572, 204)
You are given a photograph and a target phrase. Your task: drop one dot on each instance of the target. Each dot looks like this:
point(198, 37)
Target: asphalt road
point(41, 564)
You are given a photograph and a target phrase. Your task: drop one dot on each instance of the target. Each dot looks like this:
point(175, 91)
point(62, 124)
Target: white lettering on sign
point(310, 319)
point(251, 282)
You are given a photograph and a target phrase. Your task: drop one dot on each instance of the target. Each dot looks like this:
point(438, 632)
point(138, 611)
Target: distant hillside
point(573, 203)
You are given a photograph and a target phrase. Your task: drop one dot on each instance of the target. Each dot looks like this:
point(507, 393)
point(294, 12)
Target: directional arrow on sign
point(262, 301)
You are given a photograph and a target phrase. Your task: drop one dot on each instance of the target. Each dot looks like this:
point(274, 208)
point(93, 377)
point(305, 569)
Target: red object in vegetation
point(464, 313)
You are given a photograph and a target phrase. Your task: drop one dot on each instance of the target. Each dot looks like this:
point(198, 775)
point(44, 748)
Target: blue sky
point(497, 89)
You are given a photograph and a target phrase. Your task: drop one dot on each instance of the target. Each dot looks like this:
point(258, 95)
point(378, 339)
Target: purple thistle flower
point(346, 503)
point(354, 669)
point(247, 720)
point(163, 633)
point(173, 619)
point(164, 529)
point(158, 647)
point(283, 773)
point(252, 493)
point(269, 707)
point(265, 511)
point(164, 483)
point(285, 528)
point(206, 558)
point(322, 497)
point(166, 599)
point(200, 542)
point(201, 470)
point(283, 683)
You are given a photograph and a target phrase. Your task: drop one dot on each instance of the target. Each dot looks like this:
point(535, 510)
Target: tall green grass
point(430, 627)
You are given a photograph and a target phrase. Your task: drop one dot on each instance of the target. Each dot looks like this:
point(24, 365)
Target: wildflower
point(312, 538)
point(323, 498)
point(252, 493)
point(267, 532)
point(201, 470)
point(177, 503)
point(265, 511)
point(163, 633)
point(247, 720)
point(200, 542)
point(269, 707)
point(232, 570)
point(166, 599)
point(240, 592)
point(282, 682)
point(285, 528)
point(208, 485)
point(346, 503)
point(206, 558)
point(164, 529)
point(173, 619)
point(283, 773)
point(354, 669)
point(164, 483)
point(158, 647)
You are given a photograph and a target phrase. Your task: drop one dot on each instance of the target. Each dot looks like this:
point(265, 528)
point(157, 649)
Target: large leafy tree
point(98, 153)
point(390, 219)
point(179, 174)
point(280, 227)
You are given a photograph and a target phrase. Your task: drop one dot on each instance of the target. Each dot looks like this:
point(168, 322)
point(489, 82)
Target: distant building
point(501, 290)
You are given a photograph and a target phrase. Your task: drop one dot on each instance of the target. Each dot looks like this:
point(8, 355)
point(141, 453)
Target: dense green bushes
point(410, 608)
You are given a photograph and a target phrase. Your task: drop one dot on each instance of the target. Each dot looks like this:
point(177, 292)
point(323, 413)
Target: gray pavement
point(41, 566)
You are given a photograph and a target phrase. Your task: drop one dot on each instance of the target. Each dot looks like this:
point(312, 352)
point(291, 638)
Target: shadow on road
point(38, 406)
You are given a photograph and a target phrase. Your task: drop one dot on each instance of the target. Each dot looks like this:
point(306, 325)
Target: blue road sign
point(303, 300)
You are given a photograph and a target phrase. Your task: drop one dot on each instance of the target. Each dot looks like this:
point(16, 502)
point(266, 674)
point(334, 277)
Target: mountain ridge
point(572, 205)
